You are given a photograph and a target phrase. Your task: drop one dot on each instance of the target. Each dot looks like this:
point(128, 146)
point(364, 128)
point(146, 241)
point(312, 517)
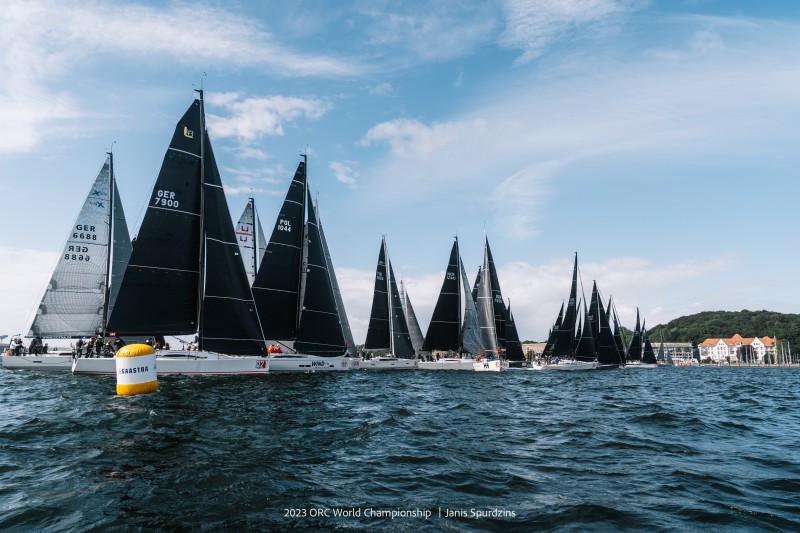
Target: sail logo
point(284, 225)
point(189, 134)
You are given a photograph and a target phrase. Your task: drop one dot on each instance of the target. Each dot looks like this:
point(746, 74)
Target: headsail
point(471, 328)
point(251, 239)
point(513, 350)
point(414, 331)
point(345, 323)
point(486, 313)
point(75, 297)
point(319, 332)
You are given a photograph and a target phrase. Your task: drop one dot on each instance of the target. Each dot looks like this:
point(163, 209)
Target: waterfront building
point(738, 348)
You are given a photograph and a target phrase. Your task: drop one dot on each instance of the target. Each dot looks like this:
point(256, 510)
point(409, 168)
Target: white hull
point(387, 363)
point(310, 363)
point(53, 362)
point(191, 363)
point(446, 364)
point(570, 365)
point(488, 366)
point(640, 365)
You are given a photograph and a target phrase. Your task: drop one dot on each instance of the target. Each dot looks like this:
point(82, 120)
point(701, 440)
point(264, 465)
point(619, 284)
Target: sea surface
point(671, 449)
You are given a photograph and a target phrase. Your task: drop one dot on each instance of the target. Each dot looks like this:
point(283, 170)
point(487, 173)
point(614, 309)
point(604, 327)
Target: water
point(672, 449)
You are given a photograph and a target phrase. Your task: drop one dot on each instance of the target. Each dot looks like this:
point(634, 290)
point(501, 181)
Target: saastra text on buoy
point(136, 370)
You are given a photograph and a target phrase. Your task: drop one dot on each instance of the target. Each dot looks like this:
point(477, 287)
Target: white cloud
point(254, 117)
point(534, 25)
point(25, 274)
point(345, 173)
point(41, 42)
point(412, 139)
point(382, 89)
point(414, 32)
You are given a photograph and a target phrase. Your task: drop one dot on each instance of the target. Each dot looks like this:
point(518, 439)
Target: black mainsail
point(635, 347)
point(319, 332)
point(294, 289)
point(513, 345)
point(388, 328)
point(444, 330)
point(185, 275)
point(276, 288)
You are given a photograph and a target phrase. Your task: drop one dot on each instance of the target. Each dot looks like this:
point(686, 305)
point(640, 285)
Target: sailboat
point(608, 356)
point(185, 275)
point(294, 289)
point(85, 282)
point(388, 327)
point(638, 355)
point(493, 320)
point(564, 351)
point(250, 236)
point(454, 327)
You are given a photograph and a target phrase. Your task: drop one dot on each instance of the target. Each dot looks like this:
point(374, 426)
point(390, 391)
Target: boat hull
point(570, 365)
point(48, 362)
point(311, 363)
point(387, 363)
point(191, 363)
point(488, 366)
point(640, 365)
point(446, 364)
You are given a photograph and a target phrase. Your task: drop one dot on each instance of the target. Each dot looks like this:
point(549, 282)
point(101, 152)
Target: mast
point(252, 203)
point(107, 291)
point(202, 254)
point(303, 251)
point(389, 297)
point(459, 306)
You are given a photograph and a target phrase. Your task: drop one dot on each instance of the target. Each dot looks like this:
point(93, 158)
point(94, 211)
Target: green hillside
point(709, 324)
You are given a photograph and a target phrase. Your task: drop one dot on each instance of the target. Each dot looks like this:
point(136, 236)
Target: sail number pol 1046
point(165, 199)
point(284, 225)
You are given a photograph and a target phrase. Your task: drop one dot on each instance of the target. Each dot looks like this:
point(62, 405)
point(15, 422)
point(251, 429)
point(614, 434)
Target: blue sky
point(658, 139)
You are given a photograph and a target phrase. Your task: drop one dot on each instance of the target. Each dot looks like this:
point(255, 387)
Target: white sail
point(414, 331)
point(120, 248)
point(471, 328)
point(247, 238)
point(74, 301)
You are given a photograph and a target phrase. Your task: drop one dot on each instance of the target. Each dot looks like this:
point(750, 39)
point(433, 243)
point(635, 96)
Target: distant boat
point(566, 350)
point(388, 327)
point(454, 327)
point(294, 289)
point(637, 355)
point(85, 282)
point(185, 275)
point(608, 355)
point(492, 317)
point(250, 237)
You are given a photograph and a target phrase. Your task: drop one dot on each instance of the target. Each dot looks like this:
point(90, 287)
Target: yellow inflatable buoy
point(136, 370)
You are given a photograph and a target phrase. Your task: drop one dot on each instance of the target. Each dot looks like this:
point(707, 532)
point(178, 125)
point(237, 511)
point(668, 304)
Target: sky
point(657, 139)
